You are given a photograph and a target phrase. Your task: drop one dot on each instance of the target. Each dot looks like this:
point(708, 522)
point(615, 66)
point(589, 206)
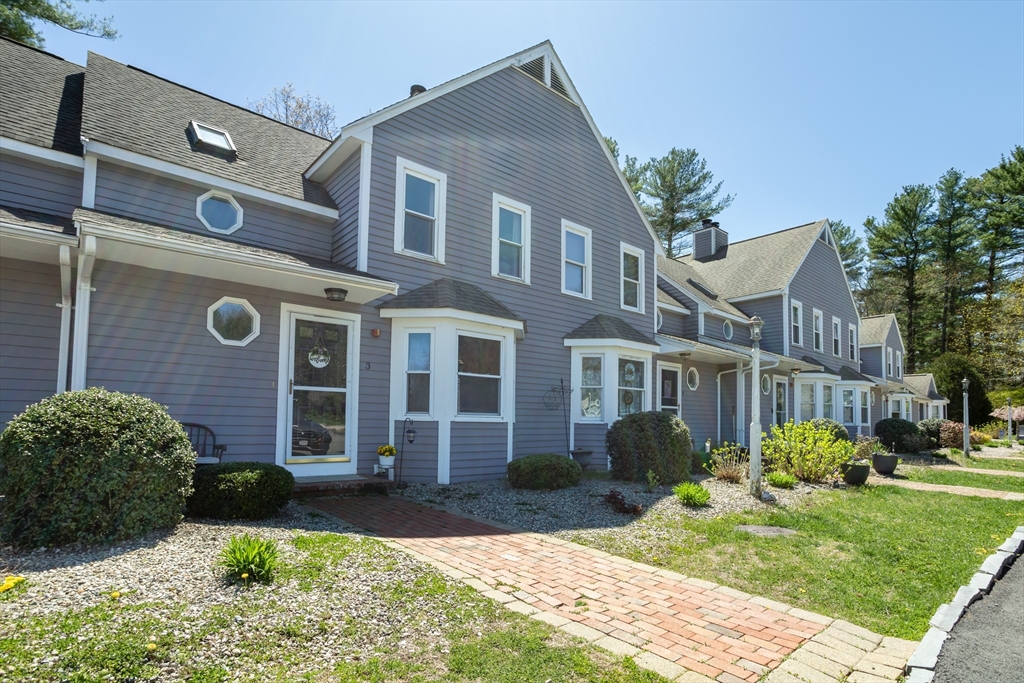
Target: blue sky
point(805, 110)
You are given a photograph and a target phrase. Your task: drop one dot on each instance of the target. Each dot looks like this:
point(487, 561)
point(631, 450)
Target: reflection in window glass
point(479, 376)
point(418, 376)
point(826, 401)
point(510, 243)
point(232, 321)
point(219, 213)
point(592, 385)
point(806, 402)
point(420, 214)
point(631, 386)
point(630, 280)
point(321, 354)
point(575, 261)
point(848, 406)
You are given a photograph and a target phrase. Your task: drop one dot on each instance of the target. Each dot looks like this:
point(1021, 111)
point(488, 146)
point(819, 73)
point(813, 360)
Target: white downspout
point(79, 360)
point(65, 318)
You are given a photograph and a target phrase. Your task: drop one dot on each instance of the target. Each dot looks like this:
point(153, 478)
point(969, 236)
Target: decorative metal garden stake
point(410, 436)
point(755, 407)
point(555, 397)
point(967, 421)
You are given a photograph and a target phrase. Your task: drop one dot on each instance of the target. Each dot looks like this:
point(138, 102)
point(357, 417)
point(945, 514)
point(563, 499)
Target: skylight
point(212, 137)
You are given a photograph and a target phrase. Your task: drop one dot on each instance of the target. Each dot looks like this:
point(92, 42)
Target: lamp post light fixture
point(755, 324)
point(967, 420)
point(1009, 420)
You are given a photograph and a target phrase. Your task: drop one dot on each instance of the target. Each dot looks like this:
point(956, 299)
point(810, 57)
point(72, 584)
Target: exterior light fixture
point(756, 324)
point(336, 293)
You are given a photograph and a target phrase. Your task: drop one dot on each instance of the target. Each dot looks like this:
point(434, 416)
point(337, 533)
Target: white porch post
point(755, 408)
point(967, 422)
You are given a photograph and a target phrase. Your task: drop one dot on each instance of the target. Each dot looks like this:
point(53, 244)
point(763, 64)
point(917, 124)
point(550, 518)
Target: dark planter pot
point(884, 464)
point(855, 474)
point(582, 457)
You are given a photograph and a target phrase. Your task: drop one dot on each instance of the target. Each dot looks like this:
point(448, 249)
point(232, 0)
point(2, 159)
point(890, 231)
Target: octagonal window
point(219, 212)
point(234, 322)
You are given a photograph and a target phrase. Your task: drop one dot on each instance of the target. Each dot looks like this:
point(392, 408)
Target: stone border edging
point(921, 666)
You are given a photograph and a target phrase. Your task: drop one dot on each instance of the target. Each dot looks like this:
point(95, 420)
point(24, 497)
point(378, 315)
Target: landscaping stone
point(946, 617)
point(1012, 545)
point(995, 563)
point(767, 531)
point(920, 676)
point(982, 581)
point(965, 595)
point(928, 651)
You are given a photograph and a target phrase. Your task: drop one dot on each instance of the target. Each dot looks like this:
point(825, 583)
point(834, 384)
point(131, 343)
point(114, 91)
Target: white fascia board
point(455, 314)
point(344, 146)
point(616, 343)
point(869, 346)
point(759, 295)
point(43, 154)
point(809, 374)
point(704, 307)
point(36, 235)
point(107, 152)
point(670, 307)
point(381, 286)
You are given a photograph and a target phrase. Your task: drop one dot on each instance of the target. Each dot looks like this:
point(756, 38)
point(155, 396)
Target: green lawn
point(466, 637)
point(882, 557)
point(1011, 464)
point(953, 477)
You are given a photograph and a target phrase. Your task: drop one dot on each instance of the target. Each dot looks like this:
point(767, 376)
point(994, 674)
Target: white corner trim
point(624, 249)
point(365, 177)
point(89, 183)
point(159, 167)
point(80, 356)
point(339, 150)
point(239, 214)
point(404, 168)
point(42, 154)
point(588, 267)
point(499, 202)
point(244, 304)
point(65, 318)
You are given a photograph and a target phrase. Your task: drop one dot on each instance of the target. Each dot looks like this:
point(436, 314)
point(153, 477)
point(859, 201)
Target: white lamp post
point(1009, 420)
point(755, 407)
point(967, 424)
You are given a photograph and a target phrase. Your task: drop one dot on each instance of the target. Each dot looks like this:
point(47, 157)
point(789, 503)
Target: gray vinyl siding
point(508, 134)
point(821, 283)
point(344, 189)
point(702, 244)
point(29, 334)
point(872, 361)
point(699, 406)
point(172, 203)
point(478, 451)
point(714, 327)
point(590, 436)
point(27, 184)
point(148, 335)
point(691, 323)
point(892, 341)
point(673, 323)
point(769, 309)
point(418, 461)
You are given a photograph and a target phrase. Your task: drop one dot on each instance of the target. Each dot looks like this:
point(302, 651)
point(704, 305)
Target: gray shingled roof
point(455, 294)
point(609, 327)
point(760, 264)
point(40, 98)
point(684, 275)
point(923, 384)
point(844, 372)
point(139, 112)
point(666, 298)
point(103, 218)
point(36, 220)
point(875, 328)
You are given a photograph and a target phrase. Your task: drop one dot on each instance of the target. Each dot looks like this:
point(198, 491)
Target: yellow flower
point(995, 537)
point(245, 576)
point(801, 590)
point(150, 646)
point(115, 595)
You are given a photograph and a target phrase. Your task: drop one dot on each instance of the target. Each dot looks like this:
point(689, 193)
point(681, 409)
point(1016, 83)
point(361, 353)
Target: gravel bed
point(170, 589)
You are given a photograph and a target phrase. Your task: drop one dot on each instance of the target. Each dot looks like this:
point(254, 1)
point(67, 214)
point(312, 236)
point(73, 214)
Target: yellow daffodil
point(244, 577)
point(150, 646)
point(115, 595)
point(10, 582)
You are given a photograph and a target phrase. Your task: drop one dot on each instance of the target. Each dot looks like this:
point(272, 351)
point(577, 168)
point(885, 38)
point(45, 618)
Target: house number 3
point(366, 366)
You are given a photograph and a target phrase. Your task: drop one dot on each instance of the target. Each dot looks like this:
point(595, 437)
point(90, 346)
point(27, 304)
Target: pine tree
point(17, 17)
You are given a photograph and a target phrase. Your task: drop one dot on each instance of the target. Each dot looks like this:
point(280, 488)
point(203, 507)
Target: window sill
point(509, 278)
point(575, 294)
point(631, 310)
point(421, 257)
point(479, 418)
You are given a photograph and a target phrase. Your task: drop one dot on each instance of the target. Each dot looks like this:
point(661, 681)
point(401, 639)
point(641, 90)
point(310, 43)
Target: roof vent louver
point(535, 68)
point(545, 72)
point(557, 85)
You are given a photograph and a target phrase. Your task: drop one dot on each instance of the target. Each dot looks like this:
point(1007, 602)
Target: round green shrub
point(653, 441)
point(544, 471)
point(240, 490)
point(781, 480)
point(92, 466)
point(899, 435)
point(692, 495)
point(837, 429)
point(932, 429)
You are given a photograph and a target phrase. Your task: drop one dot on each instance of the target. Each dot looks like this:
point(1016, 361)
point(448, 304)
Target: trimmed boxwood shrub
point(931, 429)
point(653, 441)
point(836, 428)
point(92, 466)
point(544, 471)
point(899, 435)
point(240, 490)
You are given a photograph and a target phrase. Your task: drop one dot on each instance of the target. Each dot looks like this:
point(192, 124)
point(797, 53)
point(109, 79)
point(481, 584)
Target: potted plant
point(855, 472)
point(884, 462)
point(582, 456)
point(386, 455)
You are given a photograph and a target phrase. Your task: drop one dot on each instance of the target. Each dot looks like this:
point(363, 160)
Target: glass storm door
point(668, 387)
point(318, 384)
point(780, 404)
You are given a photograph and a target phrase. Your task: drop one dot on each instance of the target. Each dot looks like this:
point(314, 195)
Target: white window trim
point(629, 249)
point(798, 400)
point(403, 167)
point(604, 381)
point(799, 323)
point(899, 364)
point(588, 269)
point(226, 197)
point(648, 382)
point(837, 337)
point(888, 366)
point(244, 304)
point(855, 407)
point(817, 341)
point(499, 202)
point(502, 376)
point(610, 398)
point(679, 385)
point(727, 329)
point(766, 378)
point(403, 342)
point(196, 125)
point(852, 339)
point(696, 383)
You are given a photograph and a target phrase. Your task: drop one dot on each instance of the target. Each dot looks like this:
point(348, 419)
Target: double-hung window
point(576, 263)
point(888, 363)
point(797, 323)
point(896, 408)
point(853, 342)
point(848, 406)
point(420, 195)
point(631, 386)
point(899, 364)
point(837, 338)
point(817, 330)
point(417, 377)
point(826, 401)
point(479, 375)
point(864, 417)
point(806, 402)
point(632, 277)
point(510, 250)
point(592, 388)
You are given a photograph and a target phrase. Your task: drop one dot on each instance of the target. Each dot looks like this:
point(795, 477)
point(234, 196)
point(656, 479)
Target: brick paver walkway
point(944, 488)
point(669, 623)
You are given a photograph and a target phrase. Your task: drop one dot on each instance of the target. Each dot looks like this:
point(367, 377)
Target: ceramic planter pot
point(855, 474)
point(582, 457)
point(884, 464)
point(386, 460)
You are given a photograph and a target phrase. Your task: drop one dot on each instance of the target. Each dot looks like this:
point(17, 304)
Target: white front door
point(317, 409)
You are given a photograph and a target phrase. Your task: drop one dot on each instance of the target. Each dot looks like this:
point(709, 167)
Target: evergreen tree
point(851, 251)
point(949, 370)
point(16, 17)
point(633, 171)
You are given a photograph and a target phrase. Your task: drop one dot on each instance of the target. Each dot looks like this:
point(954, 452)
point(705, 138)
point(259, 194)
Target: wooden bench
point(204, 443)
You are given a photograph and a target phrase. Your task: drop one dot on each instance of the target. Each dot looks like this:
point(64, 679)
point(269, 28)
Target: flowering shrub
point(806, 452)
point(951, 435)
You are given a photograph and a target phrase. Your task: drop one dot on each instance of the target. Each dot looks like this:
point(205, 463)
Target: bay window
point(631, 386)
point(864, 416)
point(806, 402)
point(417, 382)
point(826, 401)
point(592, 388)
point(848, 406)
point(479, 376)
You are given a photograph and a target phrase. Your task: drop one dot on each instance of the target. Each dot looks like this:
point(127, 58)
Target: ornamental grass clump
point(92, 466)
point(692, 495)
point(248, 559)
point(806, 452)
point(781, 480)
point(729, 463)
